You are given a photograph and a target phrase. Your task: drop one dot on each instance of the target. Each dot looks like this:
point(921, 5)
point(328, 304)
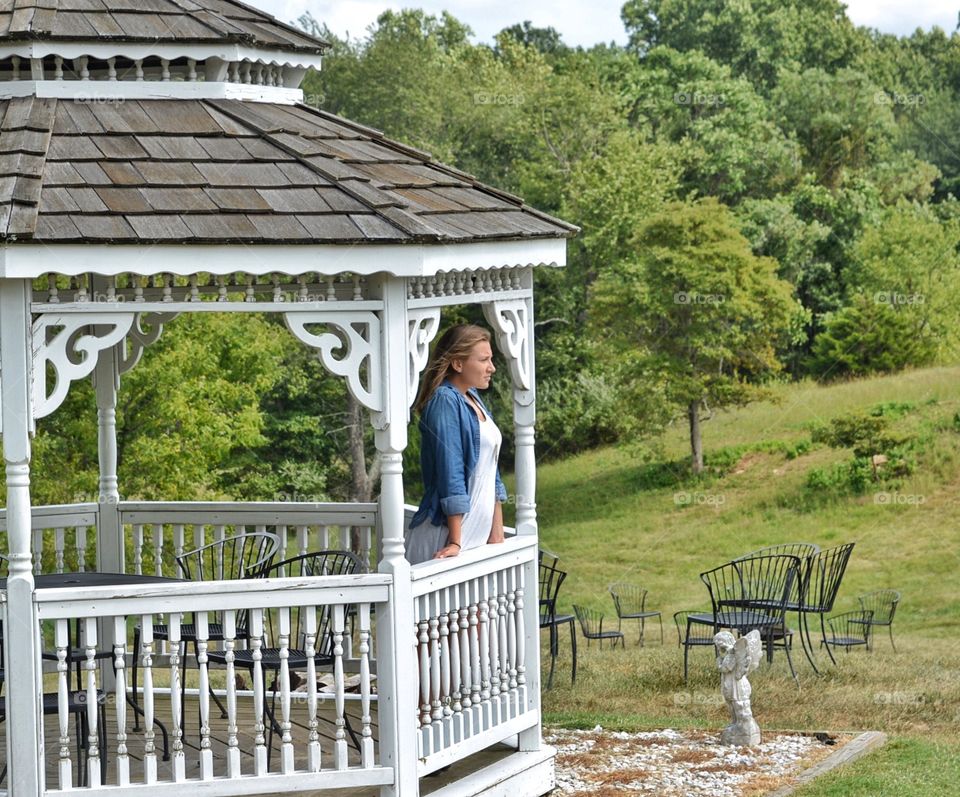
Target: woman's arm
point(496, 528)
point(452, 548)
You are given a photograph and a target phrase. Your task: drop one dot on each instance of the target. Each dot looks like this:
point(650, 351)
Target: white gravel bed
point(672, 763)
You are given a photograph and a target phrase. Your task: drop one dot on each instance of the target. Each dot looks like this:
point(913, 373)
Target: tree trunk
point(362, 479)
point(696, 443)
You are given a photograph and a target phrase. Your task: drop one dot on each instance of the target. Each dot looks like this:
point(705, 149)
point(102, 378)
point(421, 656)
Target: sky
point(581, 22)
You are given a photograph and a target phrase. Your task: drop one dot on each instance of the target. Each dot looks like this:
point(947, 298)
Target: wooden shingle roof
point(155, 21)
point(219, 171)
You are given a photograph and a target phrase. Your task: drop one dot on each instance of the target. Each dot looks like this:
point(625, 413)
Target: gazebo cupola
point(215, 50)
point(156, 158)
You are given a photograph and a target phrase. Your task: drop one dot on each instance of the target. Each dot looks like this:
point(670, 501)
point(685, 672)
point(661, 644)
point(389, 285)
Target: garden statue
point(737, 659)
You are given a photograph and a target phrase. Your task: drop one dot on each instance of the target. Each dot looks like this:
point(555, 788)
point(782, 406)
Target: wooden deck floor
point(191, 742)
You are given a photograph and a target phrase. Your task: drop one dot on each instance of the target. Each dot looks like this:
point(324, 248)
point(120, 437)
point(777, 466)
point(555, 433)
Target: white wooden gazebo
point(156, 159)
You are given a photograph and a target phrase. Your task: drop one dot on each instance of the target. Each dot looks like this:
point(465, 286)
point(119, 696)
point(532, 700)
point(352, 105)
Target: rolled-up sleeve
point(441, 430)
point(501, 488)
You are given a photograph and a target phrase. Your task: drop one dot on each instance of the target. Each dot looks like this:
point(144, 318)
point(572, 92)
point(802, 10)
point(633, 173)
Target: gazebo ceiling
point(151, 21)
point(221, 171)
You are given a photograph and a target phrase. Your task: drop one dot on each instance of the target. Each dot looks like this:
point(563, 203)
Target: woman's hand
point(448, 550)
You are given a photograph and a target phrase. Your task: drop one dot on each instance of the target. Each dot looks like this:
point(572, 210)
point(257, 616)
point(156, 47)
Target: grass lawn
point(611, 517)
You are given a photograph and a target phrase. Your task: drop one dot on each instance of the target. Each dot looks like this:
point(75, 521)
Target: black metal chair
point(236, 557)
point(848, 630)
point(692, 634)
point(551, 579)
point(630, 602)
point(882, 604)
point(316, 563)
point(752, 594)
point(819, 584)
point(591, 624)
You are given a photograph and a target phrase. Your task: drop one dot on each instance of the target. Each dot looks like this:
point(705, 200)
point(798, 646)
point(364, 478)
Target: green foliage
point(694, 318)
point(868, 336)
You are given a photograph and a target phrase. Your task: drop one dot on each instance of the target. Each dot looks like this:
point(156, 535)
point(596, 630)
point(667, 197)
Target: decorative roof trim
point(28, 261)
point(135, 50)
point(102, 91)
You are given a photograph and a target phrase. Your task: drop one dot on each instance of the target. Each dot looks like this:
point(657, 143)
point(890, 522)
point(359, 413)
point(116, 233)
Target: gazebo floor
point(218, 736)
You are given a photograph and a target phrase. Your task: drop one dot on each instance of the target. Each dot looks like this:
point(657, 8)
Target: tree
point(756, 38)
point(694, 316)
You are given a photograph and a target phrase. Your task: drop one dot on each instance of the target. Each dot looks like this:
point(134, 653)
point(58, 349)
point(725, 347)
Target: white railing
point(64, 537)
point(158, 532)
point(474, 641)
point(130, 764)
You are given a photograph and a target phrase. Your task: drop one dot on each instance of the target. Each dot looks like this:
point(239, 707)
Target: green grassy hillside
point(611, 517)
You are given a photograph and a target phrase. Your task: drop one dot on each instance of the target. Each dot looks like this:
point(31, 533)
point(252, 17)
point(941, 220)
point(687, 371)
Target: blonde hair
point(455, 344)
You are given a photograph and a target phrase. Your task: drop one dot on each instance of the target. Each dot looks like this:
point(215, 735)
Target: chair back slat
point(240, 556)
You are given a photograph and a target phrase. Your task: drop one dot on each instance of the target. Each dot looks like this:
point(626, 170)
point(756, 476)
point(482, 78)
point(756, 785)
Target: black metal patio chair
point(591, 624)
point(819, 584)
point(692, 634)
point(270, 659)
point(848, 630)
point(630, 602)
point(551, 579)
point(882, 604)
point(237, 557)
point(752, 594)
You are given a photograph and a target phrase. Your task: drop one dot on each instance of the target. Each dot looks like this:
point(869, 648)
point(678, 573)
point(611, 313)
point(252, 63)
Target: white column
point(396, 642)
point(22, 665)
point(512, 322)
point(106, 381)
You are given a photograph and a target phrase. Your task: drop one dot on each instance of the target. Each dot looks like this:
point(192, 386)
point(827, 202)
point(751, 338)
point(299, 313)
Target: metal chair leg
point(823, 631)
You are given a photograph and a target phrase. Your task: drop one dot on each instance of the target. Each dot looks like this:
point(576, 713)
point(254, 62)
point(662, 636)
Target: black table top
point(94, 579)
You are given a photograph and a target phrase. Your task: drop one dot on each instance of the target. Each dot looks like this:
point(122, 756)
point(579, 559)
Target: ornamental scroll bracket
point(358, 337)
point(511, 319)
point(146, 330)
point(72, 345)
point(423, 329)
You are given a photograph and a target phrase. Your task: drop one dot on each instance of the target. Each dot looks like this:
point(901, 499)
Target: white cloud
point(582, 22)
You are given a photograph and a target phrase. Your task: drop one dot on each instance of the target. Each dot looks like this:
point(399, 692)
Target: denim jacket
point(449, 450)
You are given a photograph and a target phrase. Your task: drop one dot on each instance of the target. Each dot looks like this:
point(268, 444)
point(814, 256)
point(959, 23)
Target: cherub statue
point(736, 659)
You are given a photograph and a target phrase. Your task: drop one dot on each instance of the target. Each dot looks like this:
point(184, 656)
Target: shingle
point(54, 228)
point(61, 174)
point(124, 200)
point(255, 174)
point(142, 26)
point(422, 199)
point(21, 163)
point(294, 200)
point(170, 173)
point(338, 200)
point(82, 117)
point(331, 228)
point(103, 227)
point(181, 199)
point(222, 226)
point(224, 149)
point(119, 147)
point(104, 24)
point(159, 227)
point(182, 148)
point(57, 200)
point(122, 173)
point(276, 227)
point(72, 24)
point(187, 117)
point(23, 220)
point(72, 148)
point(237, 198)
point(87, 199)
point(375, 227)
point(298, 174)
point(92, 174)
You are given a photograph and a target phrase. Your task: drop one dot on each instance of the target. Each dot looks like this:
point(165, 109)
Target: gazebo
point(156, 158)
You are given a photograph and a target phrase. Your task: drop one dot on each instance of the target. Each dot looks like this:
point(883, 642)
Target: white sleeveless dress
point(426, 539)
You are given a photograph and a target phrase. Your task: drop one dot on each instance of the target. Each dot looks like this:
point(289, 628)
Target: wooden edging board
point(863, 744)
